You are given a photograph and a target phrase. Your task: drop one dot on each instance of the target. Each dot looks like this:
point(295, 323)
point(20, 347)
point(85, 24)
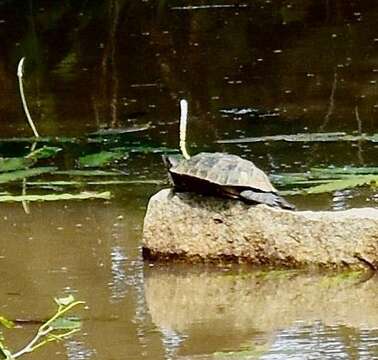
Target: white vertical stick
point(20, 73)
point(183, 121)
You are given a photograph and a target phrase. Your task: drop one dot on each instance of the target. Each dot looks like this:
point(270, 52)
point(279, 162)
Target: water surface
point(301, 66)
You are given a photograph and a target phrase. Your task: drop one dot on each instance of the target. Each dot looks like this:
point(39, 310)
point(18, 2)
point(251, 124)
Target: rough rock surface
point(190, 226)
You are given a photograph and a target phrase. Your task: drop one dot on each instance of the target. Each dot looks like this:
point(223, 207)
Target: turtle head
point(170, 161)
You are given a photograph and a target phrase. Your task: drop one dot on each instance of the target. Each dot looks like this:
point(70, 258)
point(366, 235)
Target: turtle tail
point(267, 198)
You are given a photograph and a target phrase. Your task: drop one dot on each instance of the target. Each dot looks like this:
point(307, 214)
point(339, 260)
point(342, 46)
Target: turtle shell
point(224, 170)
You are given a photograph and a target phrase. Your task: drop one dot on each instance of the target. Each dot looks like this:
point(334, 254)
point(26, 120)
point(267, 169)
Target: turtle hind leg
point(270, 199)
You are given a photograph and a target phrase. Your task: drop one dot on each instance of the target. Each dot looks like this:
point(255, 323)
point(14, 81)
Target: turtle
point(224, 175)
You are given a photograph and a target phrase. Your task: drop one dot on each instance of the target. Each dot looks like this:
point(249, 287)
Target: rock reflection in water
point(284, 310)
point(76, 350)
point(118, 285)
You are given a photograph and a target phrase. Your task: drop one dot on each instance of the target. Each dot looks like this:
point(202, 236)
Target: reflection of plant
point(55, 329)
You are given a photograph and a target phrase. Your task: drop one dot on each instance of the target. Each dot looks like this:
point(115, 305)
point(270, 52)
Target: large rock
point(189, 226)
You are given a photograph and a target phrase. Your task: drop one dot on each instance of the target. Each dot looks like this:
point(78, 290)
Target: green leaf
point(66, 324)
point(88, 173)
point(21, 174)
point(100, 159)
point(6, 323)
point(19, 163)
point(56, 197)
point(16, 163)
point(44, 152)
point(325, 179)
point(342, 184)
point(64, 301)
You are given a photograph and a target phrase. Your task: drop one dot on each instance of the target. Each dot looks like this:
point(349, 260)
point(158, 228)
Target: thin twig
point(20, 73)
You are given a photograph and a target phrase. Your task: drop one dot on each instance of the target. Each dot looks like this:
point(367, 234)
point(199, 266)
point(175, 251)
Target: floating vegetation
point(101, 158)
point(98, 151)
point(45, 140)
point(55, 197)
point(304, 137)
point(147, 149)
point(11, 164)
point(105, 147)
point(97, 183)
point(120, 131)
point(94, 172)
point(326, 180)
point(212, 6)
point(22, 174)
point(342, 184)
point(18, 163)
point(250, 112)
point(44, 152)
point(346, 170)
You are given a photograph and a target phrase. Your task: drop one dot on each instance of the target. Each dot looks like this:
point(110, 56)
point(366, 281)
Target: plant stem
point(183, 121)
point(29, 347)
point(45, 329)
point(20, 73)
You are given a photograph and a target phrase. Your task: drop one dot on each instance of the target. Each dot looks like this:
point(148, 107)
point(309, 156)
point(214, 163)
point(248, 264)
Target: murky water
point(301, 66)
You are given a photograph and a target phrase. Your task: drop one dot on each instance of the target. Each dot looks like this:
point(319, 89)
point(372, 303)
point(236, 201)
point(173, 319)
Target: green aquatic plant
point(22, 174)
point(65, 183)
point(342, 184)
point(304, 137)
point(101, 158)
point(89, 172)
point(56, 328)
point(24, 162)
point(324, 180)
point(15, 163)
point(85, 195)
point(345, 170)
point(45, 152)
point(120, 131)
